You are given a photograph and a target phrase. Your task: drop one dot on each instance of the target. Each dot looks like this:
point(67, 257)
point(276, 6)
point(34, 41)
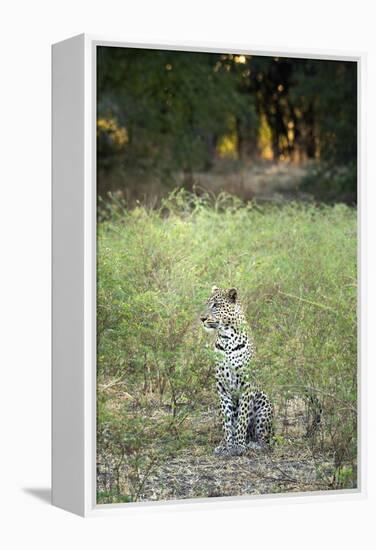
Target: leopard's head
point(223, 310)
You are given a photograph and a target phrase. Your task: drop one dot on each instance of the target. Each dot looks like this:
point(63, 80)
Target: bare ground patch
point(195, 472)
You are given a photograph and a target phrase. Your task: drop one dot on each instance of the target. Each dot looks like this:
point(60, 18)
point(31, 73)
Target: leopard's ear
point(233, 294)
point(214, 289)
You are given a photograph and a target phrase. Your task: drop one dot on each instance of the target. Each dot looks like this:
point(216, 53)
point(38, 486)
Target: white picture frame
point(74, 276)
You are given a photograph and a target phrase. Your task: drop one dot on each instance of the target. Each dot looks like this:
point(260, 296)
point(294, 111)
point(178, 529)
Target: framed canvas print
point(206, 274)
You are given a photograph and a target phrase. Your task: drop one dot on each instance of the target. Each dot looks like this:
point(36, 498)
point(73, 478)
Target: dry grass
point(195, 472)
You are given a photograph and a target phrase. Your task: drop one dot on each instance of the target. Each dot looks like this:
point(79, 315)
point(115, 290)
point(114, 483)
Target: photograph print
point(226, 275)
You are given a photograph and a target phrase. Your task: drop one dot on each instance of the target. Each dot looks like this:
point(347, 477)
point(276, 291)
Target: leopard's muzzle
point(209, 323)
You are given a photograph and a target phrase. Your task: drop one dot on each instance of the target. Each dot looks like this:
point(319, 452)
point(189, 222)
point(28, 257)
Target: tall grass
point(295, 270)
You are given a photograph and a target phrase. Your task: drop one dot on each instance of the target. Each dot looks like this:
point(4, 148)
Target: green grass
point(295, 270)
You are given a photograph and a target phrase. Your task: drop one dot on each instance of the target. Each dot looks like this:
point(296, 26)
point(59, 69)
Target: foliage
point(162, 112)
point(295, 269)
point(173, 106)
point(333, 183)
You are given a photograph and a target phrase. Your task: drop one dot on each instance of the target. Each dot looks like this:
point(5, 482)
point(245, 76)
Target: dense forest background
point(170, 118)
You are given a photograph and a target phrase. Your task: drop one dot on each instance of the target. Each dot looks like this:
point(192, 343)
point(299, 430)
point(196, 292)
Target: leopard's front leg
point(242, 423)
point(227, 411)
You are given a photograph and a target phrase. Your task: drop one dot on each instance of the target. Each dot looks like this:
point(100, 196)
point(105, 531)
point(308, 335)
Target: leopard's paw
point(237, 450)
point(221, 450)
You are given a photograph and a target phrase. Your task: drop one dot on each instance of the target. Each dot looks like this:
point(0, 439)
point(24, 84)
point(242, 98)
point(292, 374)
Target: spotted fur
point(247, 413)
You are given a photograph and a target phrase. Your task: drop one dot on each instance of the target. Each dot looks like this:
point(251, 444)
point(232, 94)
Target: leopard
point(246, 410)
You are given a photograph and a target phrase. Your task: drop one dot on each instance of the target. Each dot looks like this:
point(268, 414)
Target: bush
point(295, 270)
point(331, 183)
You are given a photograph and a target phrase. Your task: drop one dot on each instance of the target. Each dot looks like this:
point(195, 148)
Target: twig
point(307, 301)
point(322, 392)
point(117, 382)
point(110, 384)
point(153, 461)
point(285, 475)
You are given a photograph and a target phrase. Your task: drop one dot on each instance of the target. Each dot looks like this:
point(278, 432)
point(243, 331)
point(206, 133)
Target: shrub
point(295, 270)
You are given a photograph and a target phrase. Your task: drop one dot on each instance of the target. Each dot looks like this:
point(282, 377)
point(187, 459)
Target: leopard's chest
point(232, 361)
